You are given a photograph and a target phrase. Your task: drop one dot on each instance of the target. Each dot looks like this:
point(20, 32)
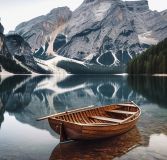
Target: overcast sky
point(13, 12)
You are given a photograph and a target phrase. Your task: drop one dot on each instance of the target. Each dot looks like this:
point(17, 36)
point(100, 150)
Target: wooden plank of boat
point(67, 112)
point(128, 118)
point(120, 121)
point(126, 104)
point(120, 111)
point(106, 119)
point(63, 136)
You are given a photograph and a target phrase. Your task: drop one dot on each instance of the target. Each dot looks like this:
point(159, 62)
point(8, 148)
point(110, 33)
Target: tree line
point(151, 61)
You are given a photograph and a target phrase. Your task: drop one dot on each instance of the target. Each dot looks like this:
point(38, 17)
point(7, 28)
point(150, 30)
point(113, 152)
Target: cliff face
point(103, 34)
point(16, 55)
point(41, 29)
point(1, 43)
point(4, 53)
point(112, 32)
point(1, 28)
point(3, 48)
point(21, 51)
point(137, 6)
point(7, 57)
point(164, 14)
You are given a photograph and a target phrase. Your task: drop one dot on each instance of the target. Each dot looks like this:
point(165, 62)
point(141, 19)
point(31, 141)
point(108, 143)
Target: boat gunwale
point(138, 113)
point(91, 107)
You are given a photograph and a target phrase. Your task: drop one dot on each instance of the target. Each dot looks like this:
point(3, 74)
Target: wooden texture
point(129, 105)
point(122, 112)
point(107, 119)
point(95, 122)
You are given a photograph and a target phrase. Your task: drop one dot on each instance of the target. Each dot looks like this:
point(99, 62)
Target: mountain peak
point(60, 10)
point(38, 30)
point(141, 5)
point(98, 1)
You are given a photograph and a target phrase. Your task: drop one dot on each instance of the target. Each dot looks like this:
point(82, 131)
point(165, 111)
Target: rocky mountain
point(16, 55)
point(3, 48)
point(44, 28)
point(104, 35)
point(6, 60)
point(21, 51)
point(164, 14)
point(110, 32)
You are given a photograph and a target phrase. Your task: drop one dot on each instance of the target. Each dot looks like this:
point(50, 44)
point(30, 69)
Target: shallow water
point(24, 98)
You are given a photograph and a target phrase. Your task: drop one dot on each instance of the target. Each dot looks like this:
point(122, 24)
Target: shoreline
point(121, 74)
point(159, 75)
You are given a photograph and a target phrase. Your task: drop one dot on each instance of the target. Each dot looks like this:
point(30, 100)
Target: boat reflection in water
point(105, 149)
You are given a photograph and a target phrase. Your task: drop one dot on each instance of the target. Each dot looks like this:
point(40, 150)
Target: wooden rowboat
point(94, 122)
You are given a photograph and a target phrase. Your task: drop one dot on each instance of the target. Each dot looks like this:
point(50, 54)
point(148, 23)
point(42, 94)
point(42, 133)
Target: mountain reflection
point(152, 88)
point(29, 97)
point(97, 90)
point(17, 92)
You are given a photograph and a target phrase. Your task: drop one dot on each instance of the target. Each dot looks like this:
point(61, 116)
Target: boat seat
point(120, 111)
point(107, 119)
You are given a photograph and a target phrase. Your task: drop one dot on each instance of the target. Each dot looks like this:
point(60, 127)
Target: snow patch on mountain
point(51, 64)
point(4, 72)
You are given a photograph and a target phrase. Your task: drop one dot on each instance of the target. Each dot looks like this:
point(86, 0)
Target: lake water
point(25, 98)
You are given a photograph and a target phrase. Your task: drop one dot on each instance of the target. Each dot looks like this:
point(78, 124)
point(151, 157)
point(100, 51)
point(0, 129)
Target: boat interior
point(115, 114)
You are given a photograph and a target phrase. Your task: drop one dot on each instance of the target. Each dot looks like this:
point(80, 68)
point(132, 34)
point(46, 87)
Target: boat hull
point(95, 122)
point(77, 132)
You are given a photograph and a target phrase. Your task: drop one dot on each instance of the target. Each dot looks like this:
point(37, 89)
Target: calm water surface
point(24, 98)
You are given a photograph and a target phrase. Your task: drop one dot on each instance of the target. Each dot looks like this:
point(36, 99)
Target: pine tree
point(154, 60)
